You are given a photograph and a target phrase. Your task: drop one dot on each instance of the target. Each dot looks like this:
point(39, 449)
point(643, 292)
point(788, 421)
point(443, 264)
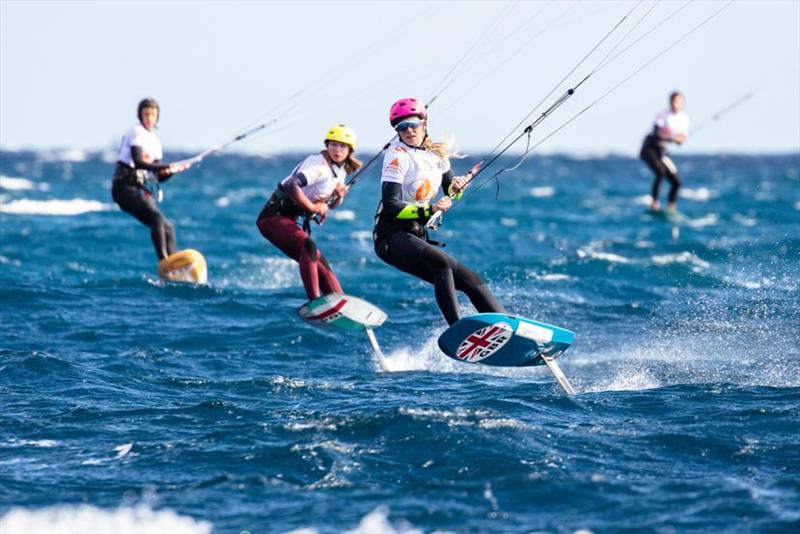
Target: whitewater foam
point(239, 196)
point(75, 206)
point(542, 192)
point(709, 220)
point(87, 519)
point(377, 522)
point(64, 155)
point(550, 277)
point(681, 257)
point(10, 183)
point(702, 194)
point(267, 272)
point(342, 215)
point(744, 220)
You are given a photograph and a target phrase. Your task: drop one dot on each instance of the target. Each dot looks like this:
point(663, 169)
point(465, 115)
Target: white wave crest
point(745, 221)
point(5, 260)
point(681, 257)
point(87, 519)
point(10, 183)
point(627, 379)
point(32, 442)
point(71, 155)
point(463, 417)
point(542, 192)
point(702, 194)
point(419, 358)
point(550, 277)
point(75, 206)
point(122, 450)
point(256, 272)
point(741, 280)
point(363, 238)
point(342, 215)
point(377, 522)
point(589, 252)
point(239, 196)
point(709, 220)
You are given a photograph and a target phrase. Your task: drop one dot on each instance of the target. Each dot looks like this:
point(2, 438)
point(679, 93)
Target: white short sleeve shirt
point(321, 177)
point(677, 123)
point(141, 137)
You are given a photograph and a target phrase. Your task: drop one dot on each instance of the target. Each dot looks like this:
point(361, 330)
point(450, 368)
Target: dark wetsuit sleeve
point(139, 163)
point(447, 180)
point(395, 208)
point(297, 178)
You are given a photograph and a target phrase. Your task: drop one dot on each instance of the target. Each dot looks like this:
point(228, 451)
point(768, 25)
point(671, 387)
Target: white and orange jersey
point(419, 171)
point(321, 177)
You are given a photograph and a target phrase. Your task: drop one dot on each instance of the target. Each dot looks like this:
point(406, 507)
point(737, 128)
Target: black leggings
point(139, 203)
point(416, 256)
point(664, 168)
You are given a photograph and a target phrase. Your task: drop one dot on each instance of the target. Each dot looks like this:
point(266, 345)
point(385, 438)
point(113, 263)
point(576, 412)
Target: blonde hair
point(444, 149)
point(351, 164)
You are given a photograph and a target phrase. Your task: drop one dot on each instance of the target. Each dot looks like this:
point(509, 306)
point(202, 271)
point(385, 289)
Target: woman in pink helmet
point(414, 168)
point(316, 184)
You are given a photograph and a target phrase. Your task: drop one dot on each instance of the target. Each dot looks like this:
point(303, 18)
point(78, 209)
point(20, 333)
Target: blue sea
point(128, 404)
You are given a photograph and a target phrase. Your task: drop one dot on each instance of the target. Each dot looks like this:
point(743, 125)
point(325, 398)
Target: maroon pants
point(293, 241)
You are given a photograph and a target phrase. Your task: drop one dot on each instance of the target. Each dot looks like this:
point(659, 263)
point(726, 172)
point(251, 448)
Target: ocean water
point(132, 405)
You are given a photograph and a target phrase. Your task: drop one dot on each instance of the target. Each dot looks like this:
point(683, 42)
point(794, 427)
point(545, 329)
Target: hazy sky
point(71, 73)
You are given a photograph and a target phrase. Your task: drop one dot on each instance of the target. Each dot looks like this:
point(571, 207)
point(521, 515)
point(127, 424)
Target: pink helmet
point(407, 107)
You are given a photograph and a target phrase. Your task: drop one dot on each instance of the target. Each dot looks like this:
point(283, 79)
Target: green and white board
point(346, 312)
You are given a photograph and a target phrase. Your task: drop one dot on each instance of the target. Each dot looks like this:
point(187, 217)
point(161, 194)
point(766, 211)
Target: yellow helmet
point(343, 134)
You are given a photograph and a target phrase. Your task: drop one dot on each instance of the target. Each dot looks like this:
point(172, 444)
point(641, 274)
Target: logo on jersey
point(422, 190)
point(484, 342)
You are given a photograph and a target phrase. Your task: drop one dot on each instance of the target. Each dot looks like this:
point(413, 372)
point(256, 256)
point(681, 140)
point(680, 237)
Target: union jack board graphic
point(483, 343)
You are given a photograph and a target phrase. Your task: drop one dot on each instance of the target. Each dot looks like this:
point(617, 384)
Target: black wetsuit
point(404, 244)
point(654, 153)
point(129, 192)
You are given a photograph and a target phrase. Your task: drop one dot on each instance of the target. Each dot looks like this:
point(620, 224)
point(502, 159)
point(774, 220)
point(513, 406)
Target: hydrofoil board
point(507, 341)
point(184, 266)
point(346, 312)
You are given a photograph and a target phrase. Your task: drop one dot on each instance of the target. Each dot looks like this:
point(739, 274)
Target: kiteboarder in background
point(139, 164)
point(671, 126)
point(313, 187)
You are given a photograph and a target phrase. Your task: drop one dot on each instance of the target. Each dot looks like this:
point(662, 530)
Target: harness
point(139, 178)
point(130, 176)
point(389, 227)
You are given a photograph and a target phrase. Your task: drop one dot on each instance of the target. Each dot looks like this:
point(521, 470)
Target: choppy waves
point(135, 405)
